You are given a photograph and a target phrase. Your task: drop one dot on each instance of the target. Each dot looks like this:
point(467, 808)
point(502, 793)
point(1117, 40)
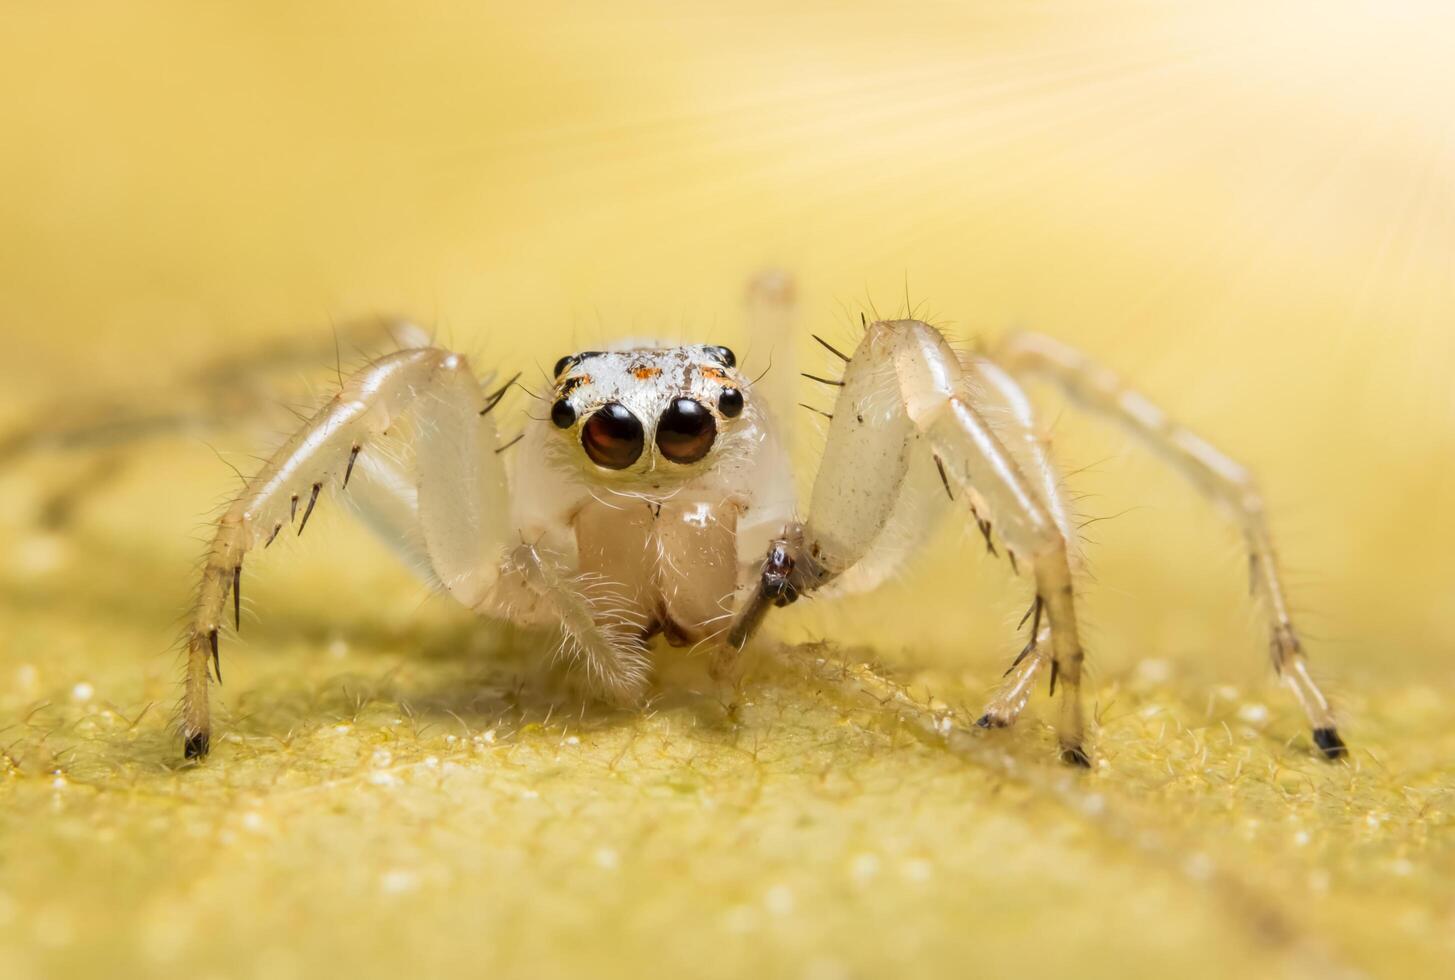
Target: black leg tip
point(985, 721)
point(1075, 755)
point(195, 746)
point(1331, 746)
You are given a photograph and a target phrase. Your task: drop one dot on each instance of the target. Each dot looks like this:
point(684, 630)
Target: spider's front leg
point(459, 501)
point(905, 400)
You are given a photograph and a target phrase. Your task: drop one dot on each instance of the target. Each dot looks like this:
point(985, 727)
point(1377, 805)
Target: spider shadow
point(462, 676)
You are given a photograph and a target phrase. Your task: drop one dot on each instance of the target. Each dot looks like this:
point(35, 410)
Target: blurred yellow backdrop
point(1247, 207)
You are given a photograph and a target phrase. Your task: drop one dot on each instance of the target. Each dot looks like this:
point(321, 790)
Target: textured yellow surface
point(1248, 208)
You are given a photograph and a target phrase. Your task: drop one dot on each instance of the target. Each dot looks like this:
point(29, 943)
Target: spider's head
point(650, 412)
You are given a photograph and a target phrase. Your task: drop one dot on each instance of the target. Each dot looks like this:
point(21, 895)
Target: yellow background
point(1248, 208)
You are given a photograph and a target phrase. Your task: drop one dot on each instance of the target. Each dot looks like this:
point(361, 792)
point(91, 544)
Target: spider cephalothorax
point(639, 409)
point(655, 497)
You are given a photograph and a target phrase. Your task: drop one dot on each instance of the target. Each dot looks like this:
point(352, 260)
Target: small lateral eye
point(562, 364)
point(563, 415)
point(726, 356)
point(612, 437)
point(730, 403)
point(686, 431)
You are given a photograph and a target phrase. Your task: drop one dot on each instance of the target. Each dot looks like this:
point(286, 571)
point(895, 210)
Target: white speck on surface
point(342, 729)
point(39, 554)
point(253, 821)
point(740, 919)
point(1253, 713)
point(1402, 867)
point(27, 680)
point(381, 758)
point(398, 881)
point(607, 858)
point(53, 927)
point(489, 737)
point(864, 867)
point(1302, 838)
point(778, 900)
point(338, 649)
point(1227, 692)
point(382, 778)
point(83, 692)
point(431, 762)
point(918, 870)
point(59, 782)
point(826, 969)
point(1198, 866)
point(1154, 671)
point(529, 794)
point(572, 740)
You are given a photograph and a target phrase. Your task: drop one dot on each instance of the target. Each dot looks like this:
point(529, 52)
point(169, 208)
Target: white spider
point(655, 498)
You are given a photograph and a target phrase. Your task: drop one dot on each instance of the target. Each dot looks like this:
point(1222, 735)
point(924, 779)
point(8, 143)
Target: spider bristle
point(216, 658)
point(494, 398)
point(831, 348)
point(944, 479)
point(308, 511)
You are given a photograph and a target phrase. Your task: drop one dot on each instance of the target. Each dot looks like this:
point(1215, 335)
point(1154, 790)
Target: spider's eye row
point(725, 356)
point(570, 360)
point(730, 403)
point(612, 437)
point(563, 415)
point(685, 431)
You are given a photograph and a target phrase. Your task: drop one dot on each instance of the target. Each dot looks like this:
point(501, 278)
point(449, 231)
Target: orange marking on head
point(712, 374)
point(645, 372)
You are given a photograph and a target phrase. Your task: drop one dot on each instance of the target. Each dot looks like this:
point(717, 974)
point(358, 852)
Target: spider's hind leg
point(103, 429)
point(1219, 478)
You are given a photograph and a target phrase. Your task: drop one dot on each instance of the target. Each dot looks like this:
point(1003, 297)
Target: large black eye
point(685, 431)
point(725, 355)
point(730, 403)
point(563, 414)
point(612, 437)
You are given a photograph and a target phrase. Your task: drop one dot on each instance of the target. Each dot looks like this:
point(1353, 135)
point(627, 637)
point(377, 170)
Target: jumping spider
point(654, 496)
